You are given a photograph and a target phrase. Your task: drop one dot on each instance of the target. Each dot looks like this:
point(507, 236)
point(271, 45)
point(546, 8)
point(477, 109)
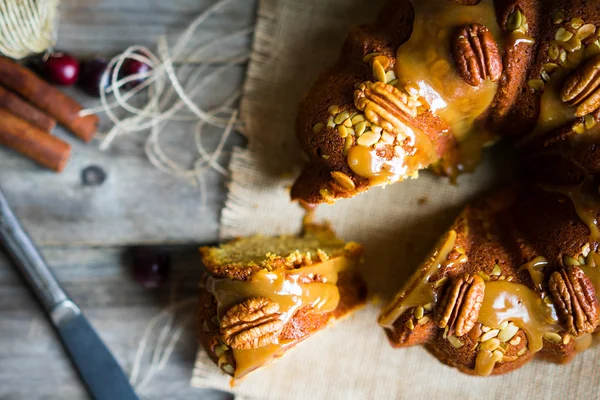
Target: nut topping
point(476, 55)
point(460, 306)
point(581, 88)
point(575, 299)
point(384, 105)
point(251, 324)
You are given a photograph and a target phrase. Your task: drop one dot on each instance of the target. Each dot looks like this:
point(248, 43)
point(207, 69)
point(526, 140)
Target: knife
point(103, 377)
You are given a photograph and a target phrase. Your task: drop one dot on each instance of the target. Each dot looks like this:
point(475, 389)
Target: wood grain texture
point(33, 365)
point(137, 203)
point(87, 230)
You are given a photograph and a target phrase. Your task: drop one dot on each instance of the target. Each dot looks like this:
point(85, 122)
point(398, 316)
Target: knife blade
point(103, 377)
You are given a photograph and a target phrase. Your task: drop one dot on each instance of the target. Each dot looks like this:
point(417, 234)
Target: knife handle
point(32, 266)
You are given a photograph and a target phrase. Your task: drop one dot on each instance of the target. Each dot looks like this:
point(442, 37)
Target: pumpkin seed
point(590, 121)
point(490, 334)
point(334, 109)
point(360, 128)
point(563, 35)
point(496, 271)
point(489, 345)
point(343, 180)
point(576, 22)
point(378, 71)
point(558, 17)
point(368, 139)
point(536, 84)
point(348, 144)
point(454, 341)
point(369, 57)
point(579, 128)
point(341, 117)
point(553, 337)
point(418, 312)
point(508, 333)
point(553, 51)
point(586, 31)
point(515, 20)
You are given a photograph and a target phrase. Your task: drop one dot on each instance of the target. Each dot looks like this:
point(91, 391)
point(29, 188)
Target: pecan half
point(476, 54)
point(460, 306)
point(581, 89)
point(384, 105)
point(251, 324)
point(575, 300)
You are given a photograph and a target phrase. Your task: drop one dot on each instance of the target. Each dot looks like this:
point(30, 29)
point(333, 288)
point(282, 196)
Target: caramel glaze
point(509, 301)
point(554, 113)
point(419, 290)
point(428, 65)
point(585, 199)
point(289, 290)
point(534, 267)
point(380, 170)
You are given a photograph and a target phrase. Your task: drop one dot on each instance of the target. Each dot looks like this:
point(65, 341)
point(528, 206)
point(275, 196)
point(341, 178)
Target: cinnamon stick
point(47, 98)
point(19, 107)
point(31, 141)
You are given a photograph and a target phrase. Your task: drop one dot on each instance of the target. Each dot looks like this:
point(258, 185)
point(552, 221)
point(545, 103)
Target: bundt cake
point(517, 274)
point(430, 84)
point(262, 295)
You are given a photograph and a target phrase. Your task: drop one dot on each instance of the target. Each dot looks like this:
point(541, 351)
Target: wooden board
point(137, 203)
point(33, 365)
point(85, 231)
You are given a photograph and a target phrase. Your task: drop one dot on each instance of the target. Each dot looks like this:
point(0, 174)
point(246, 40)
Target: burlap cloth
point(295, 40)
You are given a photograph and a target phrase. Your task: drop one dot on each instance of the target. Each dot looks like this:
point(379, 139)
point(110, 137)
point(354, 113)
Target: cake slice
point(262, 295)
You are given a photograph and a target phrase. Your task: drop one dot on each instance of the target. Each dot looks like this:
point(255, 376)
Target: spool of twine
point(27, 27)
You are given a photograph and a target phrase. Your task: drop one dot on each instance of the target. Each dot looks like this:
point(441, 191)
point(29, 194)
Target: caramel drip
point(586, 341)
point(553, 112)
point(586, 201)
point(309, 213)
point(425, 61)
point(485, 362)
point(508, 301)
point(535, 267)
point(517, 38)
point(583, 343)
point(421, 290)
point(365, 162)
point(593, 272)
point(282, 286)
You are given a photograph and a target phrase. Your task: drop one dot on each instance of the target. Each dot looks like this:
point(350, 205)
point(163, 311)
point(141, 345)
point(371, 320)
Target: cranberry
point(150, 266)
point(134, 67)
point(61, 69)
point(92, 74)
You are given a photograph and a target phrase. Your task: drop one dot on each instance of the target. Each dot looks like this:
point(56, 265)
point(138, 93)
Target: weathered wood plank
point(33, 365)
point(137, 203)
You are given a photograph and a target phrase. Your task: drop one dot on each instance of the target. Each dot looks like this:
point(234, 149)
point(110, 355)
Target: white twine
point(27, 27)
point(175, 77)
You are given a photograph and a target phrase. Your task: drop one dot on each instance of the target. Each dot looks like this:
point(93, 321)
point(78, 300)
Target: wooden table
point(86, 233)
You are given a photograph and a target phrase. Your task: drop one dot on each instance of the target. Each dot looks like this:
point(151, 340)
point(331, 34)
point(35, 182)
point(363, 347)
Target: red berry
point(150, 266)
point(133, 67)
point(92, 73)
point(61, 69)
